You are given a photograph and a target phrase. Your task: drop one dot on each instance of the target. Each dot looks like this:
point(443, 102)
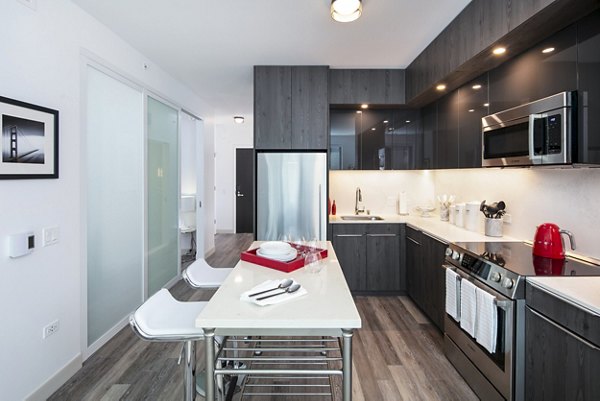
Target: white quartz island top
point(443, 230)
point(581, 291)
point(327, 305)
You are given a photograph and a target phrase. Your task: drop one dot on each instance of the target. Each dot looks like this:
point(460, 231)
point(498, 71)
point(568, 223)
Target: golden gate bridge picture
point(23, 140)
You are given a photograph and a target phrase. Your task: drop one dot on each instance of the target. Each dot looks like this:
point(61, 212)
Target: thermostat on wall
point(21, 244)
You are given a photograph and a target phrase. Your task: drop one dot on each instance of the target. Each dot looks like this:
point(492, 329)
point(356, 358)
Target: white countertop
point(432, 225)
point(581, 291)
point(328, 304)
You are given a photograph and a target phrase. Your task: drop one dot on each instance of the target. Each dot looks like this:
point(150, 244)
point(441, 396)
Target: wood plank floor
point(228, 248)
point(397, 356)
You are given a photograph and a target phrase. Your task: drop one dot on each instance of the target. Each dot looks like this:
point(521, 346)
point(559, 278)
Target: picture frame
point(29, 140)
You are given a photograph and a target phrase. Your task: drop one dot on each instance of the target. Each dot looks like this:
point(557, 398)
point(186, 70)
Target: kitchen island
point(327, 310)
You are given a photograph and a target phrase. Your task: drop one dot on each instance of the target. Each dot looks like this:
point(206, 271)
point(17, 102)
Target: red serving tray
point(294, 264)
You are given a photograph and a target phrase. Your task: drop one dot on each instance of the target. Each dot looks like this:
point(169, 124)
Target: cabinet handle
point(382, 235)
point(434, 238)
point(414, 241)
point(576, 337)
point(348, 235)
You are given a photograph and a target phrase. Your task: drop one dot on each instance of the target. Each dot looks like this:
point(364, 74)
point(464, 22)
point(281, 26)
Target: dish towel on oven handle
point(487, 321)
point(452, 294)
point(468, 307)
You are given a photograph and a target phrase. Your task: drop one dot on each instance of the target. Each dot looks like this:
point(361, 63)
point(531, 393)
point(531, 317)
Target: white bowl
point(275, 248)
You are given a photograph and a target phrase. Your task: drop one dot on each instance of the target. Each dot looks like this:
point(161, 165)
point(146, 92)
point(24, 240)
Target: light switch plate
point(50, 236)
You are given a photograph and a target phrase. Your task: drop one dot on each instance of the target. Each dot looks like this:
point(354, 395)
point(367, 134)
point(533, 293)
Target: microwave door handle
point(532, 156)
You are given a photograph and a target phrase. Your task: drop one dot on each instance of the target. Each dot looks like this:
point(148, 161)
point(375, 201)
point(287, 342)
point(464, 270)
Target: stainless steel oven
point(537, 133)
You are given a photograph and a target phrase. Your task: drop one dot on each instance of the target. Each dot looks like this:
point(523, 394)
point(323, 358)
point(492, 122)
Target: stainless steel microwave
point(536, 133)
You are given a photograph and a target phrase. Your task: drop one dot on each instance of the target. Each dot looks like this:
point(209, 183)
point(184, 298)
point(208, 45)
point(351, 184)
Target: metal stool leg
point(189, 378)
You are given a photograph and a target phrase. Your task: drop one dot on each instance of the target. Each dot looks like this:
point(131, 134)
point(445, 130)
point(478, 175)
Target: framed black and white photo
point(29, 145)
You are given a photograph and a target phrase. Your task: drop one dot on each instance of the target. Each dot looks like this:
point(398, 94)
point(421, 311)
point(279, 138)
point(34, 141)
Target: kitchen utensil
point(288, 290)
point(284, 284)
point(548, 241)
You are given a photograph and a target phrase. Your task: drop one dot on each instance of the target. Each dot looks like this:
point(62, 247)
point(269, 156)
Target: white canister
point(452, 213)
point(472, 216)
point(459, 215)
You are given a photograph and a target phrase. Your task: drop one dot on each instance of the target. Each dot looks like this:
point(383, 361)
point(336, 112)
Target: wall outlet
point(51, 329)
point(50, 235)
point(507, 218)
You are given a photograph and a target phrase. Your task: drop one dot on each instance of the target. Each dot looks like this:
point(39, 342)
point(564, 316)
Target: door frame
point(235, 148)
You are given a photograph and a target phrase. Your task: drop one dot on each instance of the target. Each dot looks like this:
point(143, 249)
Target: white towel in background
point(452, 295)
point(468, 307)
point(487, 321)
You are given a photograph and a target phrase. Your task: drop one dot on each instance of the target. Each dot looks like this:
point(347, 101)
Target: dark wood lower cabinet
point(425, 275)
point(560, 365)
point(371, 256)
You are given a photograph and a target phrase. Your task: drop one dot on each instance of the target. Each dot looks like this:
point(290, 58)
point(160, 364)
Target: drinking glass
point(312, 262)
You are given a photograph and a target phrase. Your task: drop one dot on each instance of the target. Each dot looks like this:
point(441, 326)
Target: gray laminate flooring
point(228, 248)
point(397, 356)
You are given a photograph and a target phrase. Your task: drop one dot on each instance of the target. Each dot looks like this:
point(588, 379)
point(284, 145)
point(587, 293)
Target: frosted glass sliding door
point(114, 160)
point(163, 194)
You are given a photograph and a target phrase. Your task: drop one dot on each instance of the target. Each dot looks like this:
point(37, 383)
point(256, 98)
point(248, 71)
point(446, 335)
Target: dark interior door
point(244, 191)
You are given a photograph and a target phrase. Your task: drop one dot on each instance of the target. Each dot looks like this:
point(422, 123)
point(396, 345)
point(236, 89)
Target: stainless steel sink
point(362, 218)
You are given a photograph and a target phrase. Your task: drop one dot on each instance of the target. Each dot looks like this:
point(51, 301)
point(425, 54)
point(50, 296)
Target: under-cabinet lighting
point(358, 112)
point(548, 50)
point(486, 105)
point(373, 129)
point(499, 50)
point(407, 121)
point(385, 121)
point(364, 106)
point(476, 86)
point(440, 87)
point(471, 110)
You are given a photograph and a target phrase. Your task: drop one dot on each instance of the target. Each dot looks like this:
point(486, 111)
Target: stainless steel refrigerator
point(291, 195)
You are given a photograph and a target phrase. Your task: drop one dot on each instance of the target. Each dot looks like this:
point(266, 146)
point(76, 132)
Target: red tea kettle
point(549, 243)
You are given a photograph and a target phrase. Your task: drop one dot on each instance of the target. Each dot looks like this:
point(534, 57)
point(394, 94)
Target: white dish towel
point(468, 307)
point(452, 295)
point(272, 300)
point(487, 321)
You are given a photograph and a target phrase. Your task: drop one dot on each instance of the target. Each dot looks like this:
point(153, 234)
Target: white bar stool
point(163, 318)
point(202, 275)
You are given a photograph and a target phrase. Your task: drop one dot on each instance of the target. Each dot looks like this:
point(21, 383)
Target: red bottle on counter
point(333, 208)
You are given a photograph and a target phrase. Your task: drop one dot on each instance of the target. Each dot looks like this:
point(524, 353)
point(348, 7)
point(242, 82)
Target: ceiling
point(211, 45)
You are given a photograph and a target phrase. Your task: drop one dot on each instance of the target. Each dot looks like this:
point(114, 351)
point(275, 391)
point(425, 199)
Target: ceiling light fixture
point(471, 110)
point(440, 87)
point(385, 121)
point(407, 121)
point(499, 50)
point(476, 86)
point(238, 119)
point(364, 106)
point(548, 50)
point(346, 10)
point(486, 105)
point(373, 129)
point(358, 112)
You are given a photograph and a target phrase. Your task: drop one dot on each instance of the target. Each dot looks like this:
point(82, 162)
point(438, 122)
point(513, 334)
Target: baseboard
point(48, 388)
point(209, 252)
point(106, 337)
point(227, 231)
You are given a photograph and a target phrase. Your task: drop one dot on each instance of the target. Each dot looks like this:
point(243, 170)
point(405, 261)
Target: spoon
point(289, 290)
point(284, 284)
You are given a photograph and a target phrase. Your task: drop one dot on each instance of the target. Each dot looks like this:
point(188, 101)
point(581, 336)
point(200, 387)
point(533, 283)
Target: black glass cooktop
point(518, 258)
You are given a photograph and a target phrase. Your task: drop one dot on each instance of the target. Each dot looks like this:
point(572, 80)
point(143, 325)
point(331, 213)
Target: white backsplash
point(568, 197)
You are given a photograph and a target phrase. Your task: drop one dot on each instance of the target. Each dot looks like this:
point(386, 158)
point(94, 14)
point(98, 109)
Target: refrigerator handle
point(320, 215)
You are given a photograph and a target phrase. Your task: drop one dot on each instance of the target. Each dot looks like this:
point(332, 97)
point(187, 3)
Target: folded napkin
point(452, 295)
point(468, 307)
point(272, 300)
point(487, 321)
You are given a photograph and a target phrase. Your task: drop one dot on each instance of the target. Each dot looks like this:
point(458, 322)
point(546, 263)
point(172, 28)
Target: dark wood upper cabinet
point(310, 109)
point(535, 75)
point(272, 107)
point(472, 106)
point(371, 86)
point(407, 140)
point(447, 132)
point(588, 64)
point(290, 107)
point(429, 130)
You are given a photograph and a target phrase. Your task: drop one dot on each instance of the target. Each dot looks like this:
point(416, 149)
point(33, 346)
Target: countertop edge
point(563, 294)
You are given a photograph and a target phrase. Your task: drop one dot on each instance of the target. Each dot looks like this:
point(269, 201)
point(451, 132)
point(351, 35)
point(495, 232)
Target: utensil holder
point(493, 227)
point(444, 213)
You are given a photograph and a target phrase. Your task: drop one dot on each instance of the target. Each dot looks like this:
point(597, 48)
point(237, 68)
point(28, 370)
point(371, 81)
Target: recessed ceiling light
point(440, 87)
point(346, 10)
point(407, 121)
point(238, 119)
point(471, 110)
point(476, 86)
point(373, 129)
point(499, 50)
point(364, 106)
point(548, 50)
point(385, 121)
point(486, 105)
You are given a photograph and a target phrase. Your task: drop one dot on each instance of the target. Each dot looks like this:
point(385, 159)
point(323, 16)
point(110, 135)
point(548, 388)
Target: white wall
point(41, 65)
point(228, 136)
point(380, 189)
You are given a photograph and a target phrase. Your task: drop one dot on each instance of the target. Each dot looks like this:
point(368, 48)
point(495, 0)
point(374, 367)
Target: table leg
point(209, 343)
point(347, 364)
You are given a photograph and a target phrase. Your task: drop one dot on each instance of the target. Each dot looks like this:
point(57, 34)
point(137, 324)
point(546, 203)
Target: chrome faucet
point(358, 209)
